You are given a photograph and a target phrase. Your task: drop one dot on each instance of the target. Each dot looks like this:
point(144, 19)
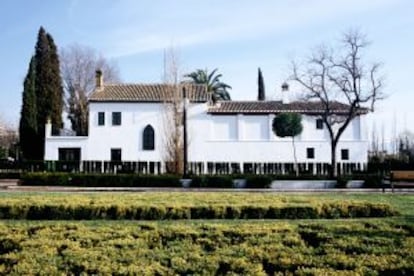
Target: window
point(345, 154)
point(101, 118)
point(148, 138)
point(319, 124)
point(116, 118)
point(69, 154)
point(310, 153)
point(116, 155)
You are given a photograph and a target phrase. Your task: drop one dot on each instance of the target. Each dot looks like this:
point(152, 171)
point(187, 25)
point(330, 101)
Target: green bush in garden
point(238, 248)
point(99, 180)
point(258, 181)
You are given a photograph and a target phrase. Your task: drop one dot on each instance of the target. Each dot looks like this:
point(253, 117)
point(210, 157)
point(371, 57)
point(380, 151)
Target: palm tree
point(212, 80)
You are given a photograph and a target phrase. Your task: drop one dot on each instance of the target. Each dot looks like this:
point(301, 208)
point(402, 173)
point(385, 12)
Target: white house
point(127, 124)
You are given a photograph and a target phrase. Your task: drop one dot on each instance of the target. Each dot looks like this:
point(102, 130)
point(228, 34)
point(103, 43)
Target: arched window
point(148, 138)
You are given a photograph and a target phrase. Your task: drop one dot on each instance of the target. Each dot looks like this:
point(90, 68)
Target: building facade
point(127, 124)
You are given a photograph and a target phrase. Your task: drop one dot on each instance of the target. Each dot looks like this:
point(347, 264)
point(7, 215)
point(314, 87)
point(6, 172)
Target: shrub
point(212, 182)
point(258, 181)
point(99, 180)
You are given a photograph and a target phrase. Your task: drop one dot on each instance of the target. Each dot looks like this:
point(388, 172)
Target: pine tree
point(28, 120)
point(261, 91)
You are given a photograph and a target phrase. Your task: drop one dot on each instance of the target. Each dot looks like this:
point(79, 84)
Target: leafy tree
point(28, 118)
point(78, 66)
point(261, 87)
point(212, 80)
point(288, 125)
point(340, 74)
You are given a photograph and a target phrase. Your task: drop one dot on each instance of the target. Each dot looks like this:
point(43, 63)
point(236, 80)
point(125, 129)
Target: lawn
point(365, 246)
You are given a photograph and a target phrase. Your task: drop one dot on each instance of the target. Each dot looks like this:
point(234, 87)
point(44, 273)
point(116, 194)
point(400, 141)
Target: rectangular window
point(116, 155)
point(116, 118)
point(101, 118)
point(319, 124)
point(345, 154)
point(310, 153)
point(69, 154)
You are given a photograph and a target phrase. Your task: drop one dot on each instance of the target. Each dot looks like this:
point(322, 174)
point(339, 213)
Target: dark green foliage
point(28, 132)
point(213, 83)
point(287, 124)
point(258, 181)
point(261, 96)
point(212, 182)
point(42, 97)
point(99, 180)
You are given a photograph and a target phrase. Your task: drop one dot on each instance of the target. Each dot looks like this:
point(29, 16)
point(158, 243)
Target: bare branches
point(341, 75)
point(78, 66)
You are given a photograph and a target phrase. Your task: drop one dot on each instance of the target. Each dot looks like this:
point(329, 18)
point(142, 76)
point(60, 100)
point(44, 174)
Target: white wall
point(214, 138)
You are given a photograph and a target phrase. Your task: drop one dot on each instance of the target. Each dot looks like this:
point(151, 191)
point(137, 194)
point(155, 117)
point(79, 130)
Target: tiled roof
point(146, 93)
point(266, 107)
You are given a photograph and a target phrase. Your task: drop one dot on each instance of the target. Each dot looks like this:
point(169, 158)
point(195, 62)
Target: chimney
point(99, 80)
point(285, 93)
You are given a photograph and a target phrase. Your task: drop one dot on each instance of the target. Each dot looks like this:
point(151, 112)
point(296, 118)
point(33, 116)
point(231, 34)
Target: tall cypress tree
point(48, 94)
point(56, 87)
point(261, 88)
point(28, 120)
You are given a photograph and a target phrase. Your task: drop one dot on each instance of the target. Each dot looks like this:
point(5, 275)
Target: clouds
point(125, 28)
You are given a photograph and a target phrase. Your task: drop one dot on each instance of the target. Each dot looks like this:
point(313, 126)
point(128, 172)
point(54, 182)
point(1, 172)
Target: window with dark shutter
point(148, 138)
point(116, 155)
point(101, 118)
point(345, 154)
point(319, 124)
point(310, 153)
point(116, 118)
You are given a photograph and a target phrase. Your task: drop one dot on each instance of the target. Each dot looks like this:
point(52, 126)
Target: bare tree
point(172, 115)
point(8, 138)
point(78, 66)
point(340, 75)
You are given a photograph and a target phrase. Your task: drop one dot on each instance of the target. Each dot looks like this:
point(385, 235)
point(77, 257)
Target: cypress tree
point(261, 89)
point(28, 119)
point(56, 87)
point(44, 89)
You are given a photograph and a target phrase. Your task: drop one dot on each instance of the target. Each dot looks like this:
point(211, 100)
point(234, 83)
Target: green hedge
point(99, 180)
point(212, 181)
point(258, 181)
point(143, 212)
point(9, 175)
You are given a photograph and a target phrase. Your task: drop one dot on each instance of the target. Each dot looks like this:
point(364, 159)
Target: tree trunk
point(333, 171)
point(294, 156)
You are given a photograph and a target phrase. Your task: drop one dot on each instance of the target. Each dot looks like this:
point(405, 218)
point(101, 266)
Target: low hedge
point(258, 181)
point(99, 180)
point(33, 211)
point(211, 181)
point(10, 175)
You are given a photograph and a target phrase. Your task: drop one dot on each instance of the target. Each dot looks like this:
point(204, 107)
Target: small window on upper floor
point(116, 118)
point(148, 138)
point(344, 154)
point(319, 124)
point(310, 153)
point(101, 118)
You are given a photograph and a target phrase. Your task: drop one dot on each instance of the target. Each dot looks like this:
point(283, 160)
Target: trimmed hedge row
point(215, 181)
point(115, 212)
point(99, 180)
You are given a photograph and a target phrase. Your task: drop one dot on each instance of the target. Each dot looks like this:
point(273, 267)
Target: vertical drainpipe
point(185, 159)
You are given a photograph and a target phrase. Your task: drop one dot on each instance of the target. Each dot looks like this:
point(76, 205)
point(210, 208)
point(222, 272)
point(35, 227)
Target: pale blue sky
point(235, 36)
